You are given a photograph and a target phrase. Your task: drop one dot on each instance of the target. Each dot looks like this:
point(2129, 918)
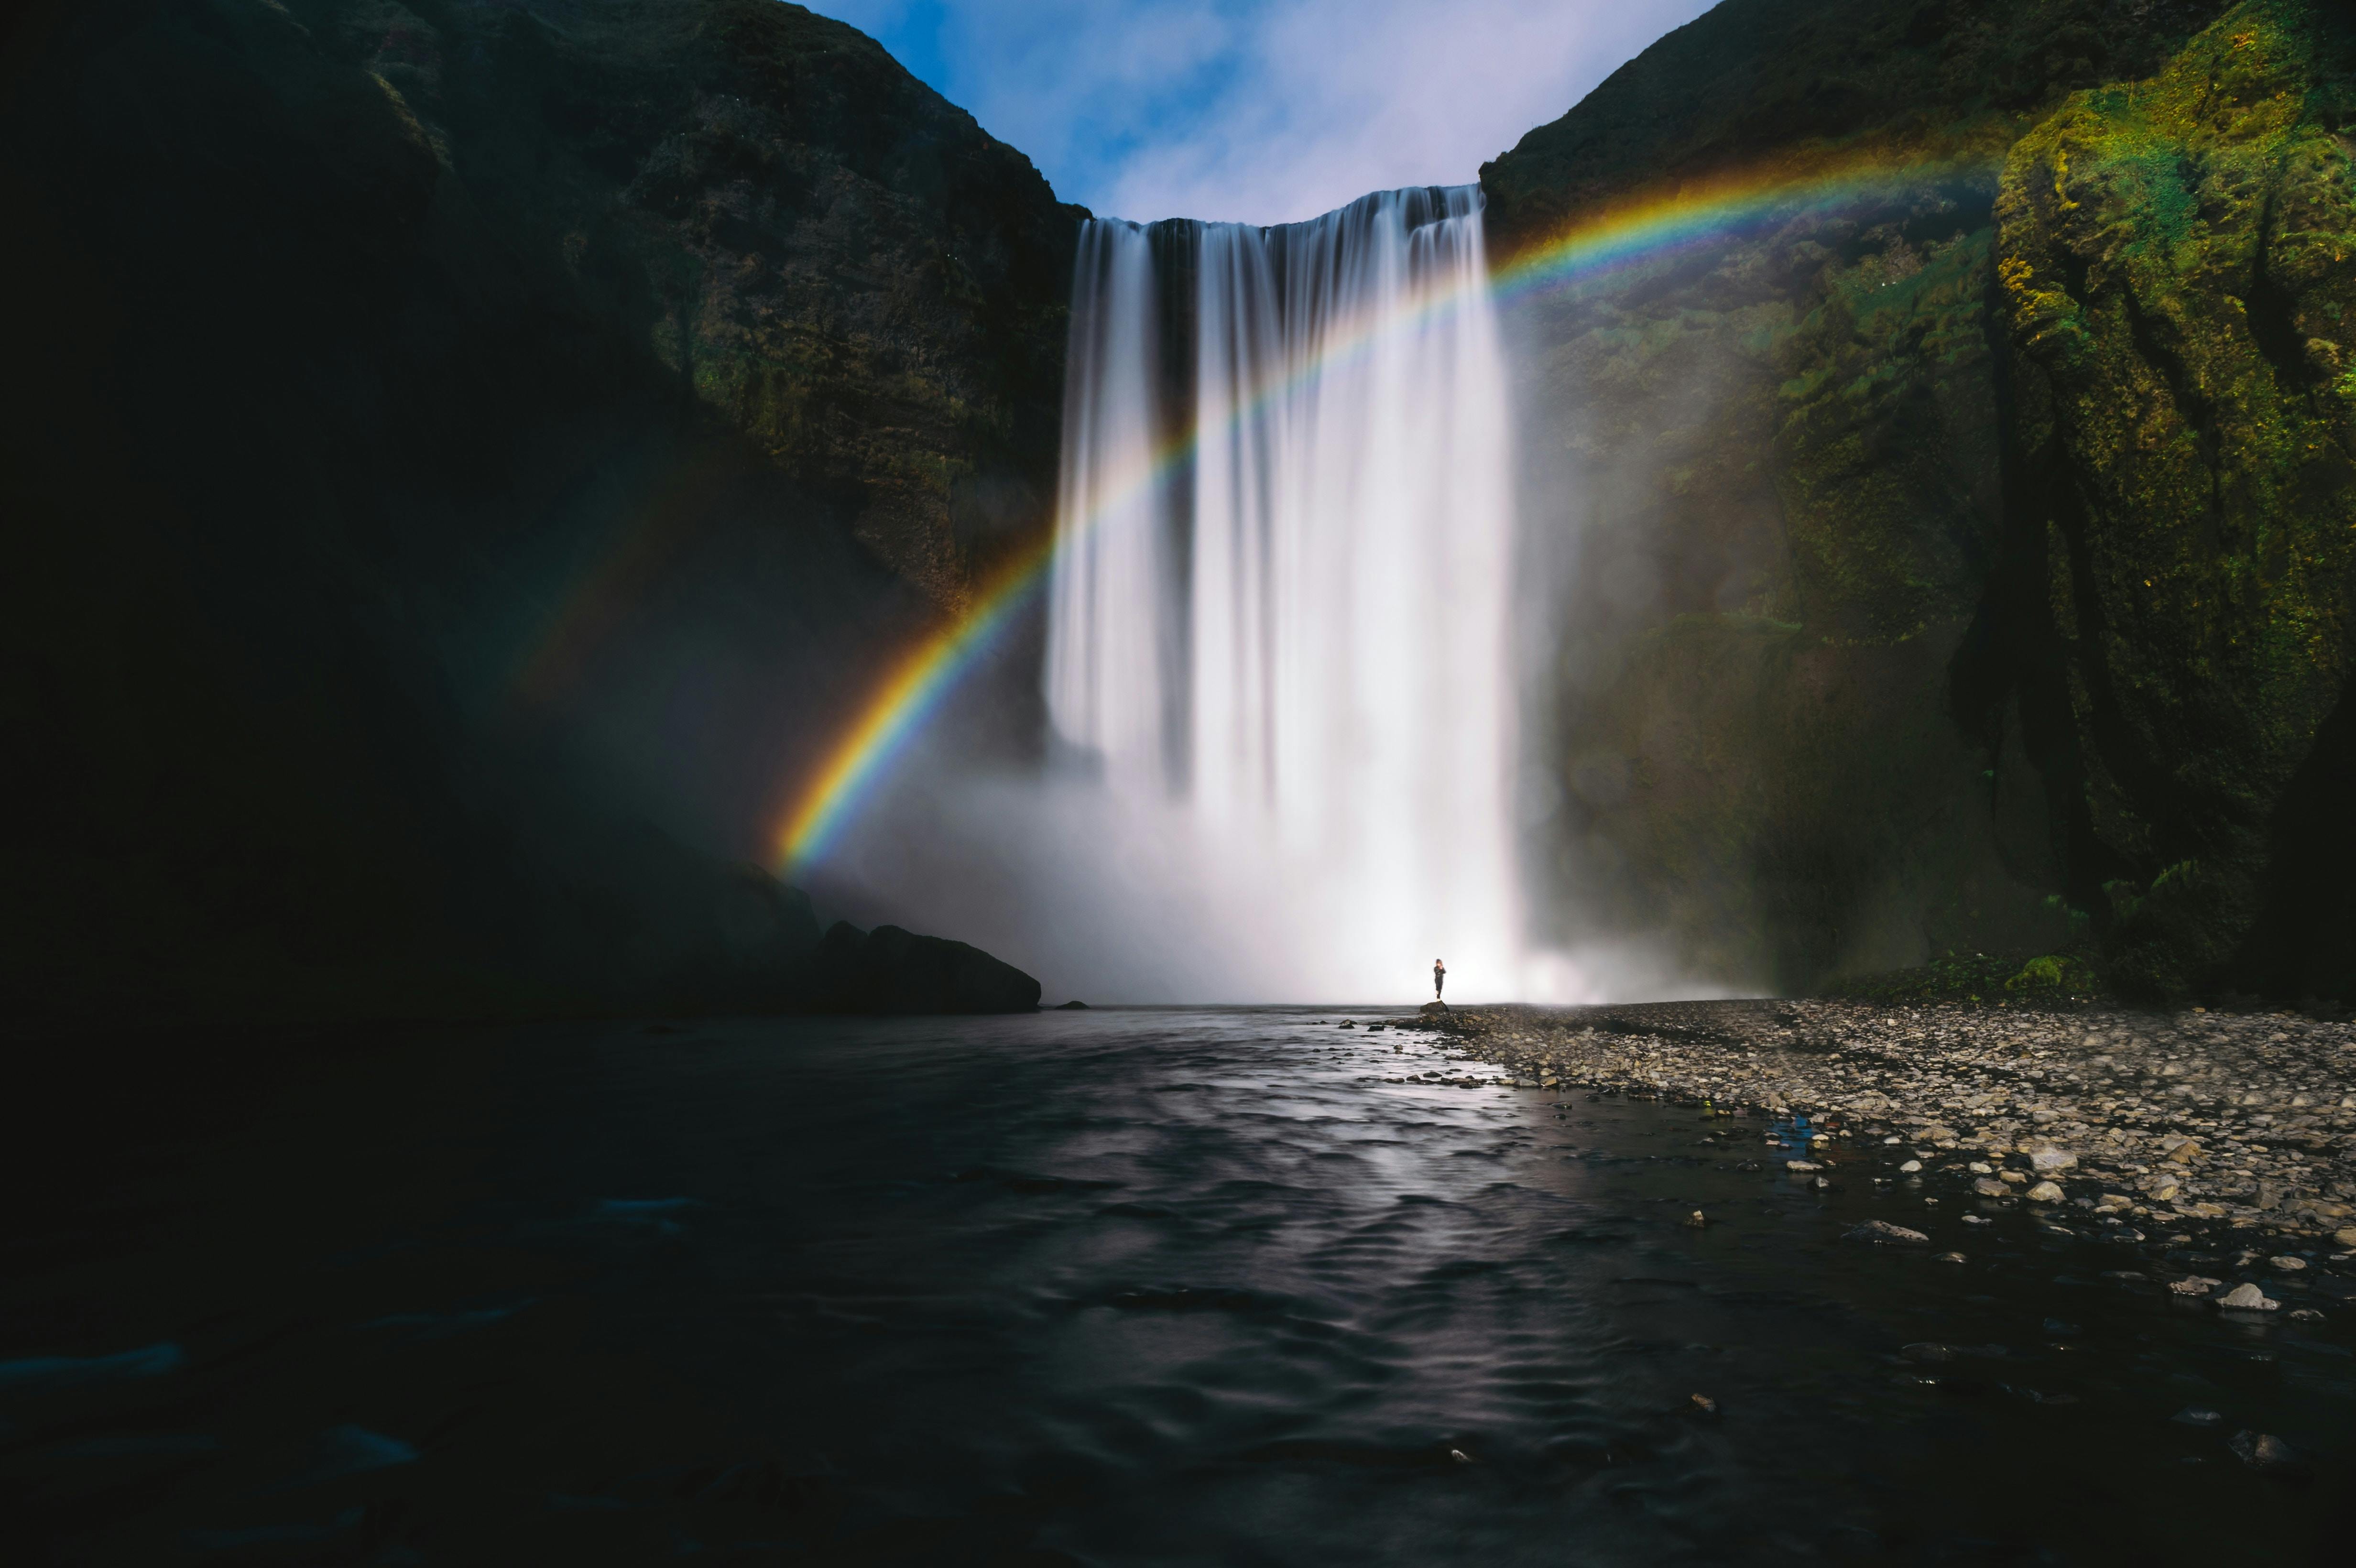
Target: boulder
point(2246, 1297)
point(889, 970)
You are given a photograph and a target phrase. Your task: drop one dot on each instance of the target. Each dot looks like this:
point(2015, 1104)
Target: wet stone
point(2264, 1451)
point(2247, 1298)
point(1882, 1233)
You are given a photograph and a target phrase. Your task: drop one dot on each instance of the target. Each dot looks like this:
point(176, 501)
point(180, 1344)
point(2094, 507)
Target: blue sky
point(1261, 111)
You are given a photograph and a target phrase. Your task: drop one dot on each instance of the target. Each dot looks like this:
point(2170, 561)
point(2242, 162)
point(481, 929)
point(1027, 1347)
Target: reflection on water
point(1156, 1286)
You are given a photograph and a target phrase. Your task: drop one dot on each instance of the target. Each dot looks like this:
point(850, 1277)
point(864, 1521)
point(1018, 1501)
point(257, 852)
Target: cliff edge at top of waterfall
point(1752, 84)
point(480, 446)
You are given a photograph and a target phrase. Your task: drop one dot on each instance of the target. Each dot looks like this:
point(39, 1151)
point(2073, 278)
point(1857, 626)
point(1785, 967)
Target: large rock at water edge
point(889, 970)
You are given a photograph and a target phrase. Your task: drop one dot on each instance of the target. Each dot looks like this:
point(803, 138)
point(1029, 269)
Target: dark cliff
point(1963, 563)
point(461, 450)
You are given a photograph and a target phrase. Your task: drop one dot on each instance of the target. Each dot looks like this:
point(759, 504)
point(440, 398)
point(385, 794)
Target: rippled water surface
point(1117, 1286)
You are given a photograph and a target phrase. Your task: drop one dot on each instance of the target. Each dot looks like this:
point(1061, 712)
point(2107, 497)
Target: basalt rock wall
point(462, 453)
point(1951, 552)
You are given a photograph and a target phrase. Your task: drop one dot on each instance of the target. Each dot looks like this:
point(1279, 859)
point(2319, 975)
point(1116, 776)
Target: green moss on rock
point(2177, 254)
point(2035, 453)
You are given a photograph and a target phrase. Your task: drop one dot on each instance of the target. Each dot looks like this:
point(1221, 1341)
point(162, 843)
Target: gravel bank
point(2201, 1120)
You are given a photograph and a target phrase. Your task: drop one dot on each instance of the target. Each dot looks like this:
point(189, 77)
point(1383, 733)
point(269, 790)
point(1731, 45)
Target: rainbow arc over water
point(1648, 231)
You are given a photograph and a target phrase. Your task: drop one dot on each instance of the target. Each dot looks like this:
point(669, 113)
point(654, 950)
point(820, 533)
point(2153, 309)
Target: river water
point(1149, 1286)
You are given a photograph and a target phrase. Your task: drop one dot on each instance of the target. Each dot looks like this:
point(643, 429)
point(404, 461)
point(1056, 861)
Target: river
point(1133, 1287)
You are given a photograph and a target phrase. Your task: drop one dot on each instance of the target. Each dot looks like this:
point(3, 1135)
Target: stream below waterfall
point(1134, 1287)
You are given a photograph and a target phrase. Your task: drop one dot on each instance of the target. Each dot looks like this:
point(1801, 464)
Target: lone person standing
point(1438, 977)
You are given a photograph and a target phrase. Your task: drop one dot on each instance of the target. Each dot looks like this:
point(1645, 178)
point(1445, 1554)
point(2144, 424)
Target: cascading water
point(1278, 618)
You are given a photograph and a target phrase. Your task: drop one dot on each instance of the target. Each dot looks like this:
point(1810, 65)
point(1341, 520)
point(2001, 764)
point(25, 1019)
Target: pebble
point(2193, 1415)
point(2195, 1285)
point(1704, 1405)
point(2199, 1121)
point(2043, 1192)
point(1696, 1220)
point(2290, 1264)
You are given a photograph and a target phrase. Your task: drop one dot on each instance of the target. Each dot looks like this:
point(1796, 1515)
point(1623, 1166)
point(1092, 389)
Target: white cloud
point(1262, 111)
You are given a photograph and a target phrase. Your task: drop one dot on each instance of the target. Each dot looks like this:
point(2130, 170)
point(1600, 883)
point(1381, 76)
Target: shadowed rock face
point(473, 446)
point(1855, 507)
point(889, 970)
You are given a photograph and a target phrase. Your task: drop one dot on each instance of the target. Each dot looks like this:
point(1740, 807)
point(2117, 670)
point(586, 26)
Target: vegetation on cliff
point(2178, 266)
point(1862, 667)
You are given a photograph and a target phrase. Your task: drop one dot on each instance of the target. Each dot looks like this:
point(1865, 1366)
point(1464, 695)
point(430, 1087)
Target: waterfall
point(1277, 623)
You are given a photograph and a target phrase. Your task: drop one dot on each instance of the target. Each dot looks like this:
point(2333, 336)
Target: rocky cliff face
point(2176, 266)
point(470, 446)
point(1956, 548)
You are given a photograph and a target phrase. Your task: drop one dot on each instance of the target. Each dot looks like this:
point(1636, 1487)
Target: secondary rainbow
point(1626, 236)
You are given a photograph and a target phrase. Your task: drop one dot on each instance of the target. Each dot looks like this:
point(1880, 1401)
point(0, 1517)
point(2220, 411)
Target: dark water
point(1107, 1288)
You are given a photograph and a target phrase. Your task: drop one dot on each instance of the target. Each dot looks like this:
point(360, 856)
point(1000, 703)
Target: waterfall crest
point(1277, 623)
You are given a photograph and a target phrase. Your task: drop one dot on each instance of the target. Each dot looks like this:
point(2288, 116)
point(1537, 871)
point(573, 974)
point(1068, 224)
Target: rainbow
point(1647, 230)
point(899, 706)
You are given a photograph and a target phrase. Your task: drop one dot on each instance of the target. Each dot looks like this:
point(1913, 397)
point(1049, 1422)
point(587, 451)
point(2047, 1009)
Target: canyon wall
point(467, 456)
point(1955, 554)
point(463, 457)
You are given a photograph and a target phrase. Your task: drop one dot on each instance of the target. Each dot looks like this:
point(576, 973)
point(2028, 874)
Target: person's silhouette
point(1438, 977)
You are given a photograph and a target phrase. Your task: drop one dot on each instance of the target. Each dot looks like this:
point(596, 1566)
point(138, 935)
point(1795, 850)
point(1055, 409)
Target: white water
point(1287, 655)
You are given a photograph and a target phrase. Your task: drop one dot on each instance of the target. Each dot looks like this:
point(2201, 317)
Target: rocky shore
point(2186, 1130)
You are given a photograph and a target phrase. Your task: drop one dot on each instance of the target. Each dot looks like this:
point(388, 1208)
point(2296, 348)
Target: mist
point(1303, 695)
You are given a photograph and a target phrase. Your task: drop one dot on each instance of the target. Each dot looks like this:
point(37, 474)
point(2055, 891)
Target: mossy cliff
point(1959, 560)
point(2178, 272)
point(469, 448)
